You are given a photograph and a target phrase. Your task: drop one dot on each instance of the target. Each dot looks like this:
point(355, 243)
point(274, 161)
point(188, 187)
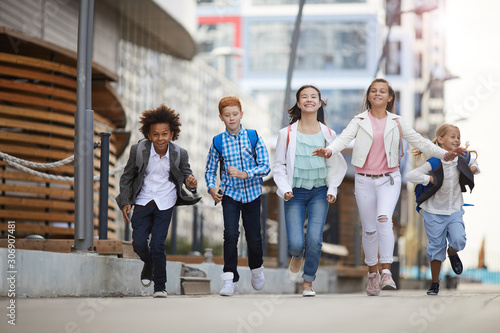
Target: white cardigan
point(360, 128)
point(284, 160)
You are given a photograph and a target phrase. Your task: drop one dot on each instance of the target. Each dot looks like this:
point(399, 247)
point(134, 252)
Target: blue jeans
point(150, 220)
point(250, 213)
point(313, 202)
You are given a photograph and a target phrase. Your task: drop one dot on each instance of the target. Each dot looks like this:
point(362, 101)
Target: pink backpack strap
point(400, 139)
point(288, 129)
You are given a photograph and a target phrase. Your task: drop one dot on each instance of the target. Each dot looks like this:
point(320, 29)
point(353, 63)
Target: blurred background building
point(144, 55)
point(343, 45)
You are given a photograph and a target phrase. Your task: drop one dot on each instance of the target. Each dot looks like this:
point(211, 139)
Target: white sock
point(386, 271)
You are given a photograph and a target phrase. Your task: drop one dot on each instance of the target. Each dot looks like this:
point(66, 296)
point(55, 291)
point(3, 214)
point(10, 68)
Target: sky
point(472, 103)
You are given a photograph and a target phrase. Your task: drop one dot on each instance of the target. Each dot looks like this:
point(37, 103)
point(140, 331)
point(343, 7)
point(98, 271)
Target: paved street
point(468, 309)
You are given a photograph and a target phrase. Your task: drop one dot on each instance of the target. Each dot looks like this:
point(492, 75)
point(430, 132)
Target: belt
point(388, 174)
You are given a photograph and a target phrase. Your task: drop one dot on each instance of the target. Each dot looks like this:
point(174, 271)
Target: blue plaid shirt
point(237, 152)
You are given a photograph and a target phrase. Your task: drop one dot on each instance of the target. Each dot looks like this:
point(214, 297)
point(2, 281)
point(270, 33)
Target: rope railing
point(23, 165)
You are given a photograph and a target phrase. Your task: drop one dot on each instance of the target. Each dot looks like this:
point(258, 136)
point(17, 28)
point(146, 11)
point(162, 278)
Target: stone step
point(195, 285)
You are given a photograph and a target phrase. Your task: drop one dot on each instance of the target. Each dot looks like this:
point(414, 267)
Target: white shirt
point(156, 184)
point(448, 199)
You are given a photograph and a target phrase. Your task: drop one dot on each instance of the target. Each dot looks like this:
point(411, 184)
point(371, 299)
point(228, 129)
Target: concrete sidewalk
point(467, 309)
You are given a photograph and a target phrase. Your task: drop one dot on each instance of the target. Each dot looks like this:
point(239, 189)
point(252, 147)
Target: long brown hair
point(441, 131)
point(390, 106)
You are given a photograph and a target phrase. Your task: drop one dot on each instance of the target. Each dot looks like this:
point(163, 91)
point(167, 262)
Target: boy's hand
point(288, 195)
point(431, 180)
point(473, 169)
point(322, 152)
point(126, 211)
point(216, 194)
point(235, 172)
point(191, 182)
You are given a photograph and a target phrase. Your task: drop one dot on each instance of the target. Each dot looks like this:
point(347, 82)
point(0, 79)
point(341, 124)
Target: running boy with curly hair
point(152, 183)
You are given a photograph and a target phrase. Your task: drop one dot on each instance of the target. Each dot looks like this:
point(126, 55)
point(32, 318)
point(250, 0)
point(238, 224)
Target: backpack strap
point(254, 138)
point(217, 142)
point(400, 139)
point(434, 162)
point(288, 129)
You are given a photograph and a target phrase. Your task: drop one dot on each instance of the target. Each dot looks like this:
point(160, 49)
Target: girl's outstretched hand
point(322, 152)
point(450, 155)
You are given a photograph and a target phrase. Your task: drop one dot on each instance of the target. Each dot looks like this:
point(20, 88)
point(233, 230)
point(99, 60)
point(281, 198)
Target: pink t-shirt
point(376, 161)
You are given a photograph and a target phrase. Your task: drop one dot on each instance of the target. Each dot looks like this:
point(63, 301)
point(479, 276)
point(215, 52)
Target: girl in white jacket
point(378, 133)
point(306, 183)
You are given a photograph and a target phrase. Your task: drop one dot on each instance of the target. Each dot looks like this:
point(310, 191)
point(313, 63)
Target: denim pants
point(376, 198)
point(250, 214)
point(148, 220)
point(313, 202)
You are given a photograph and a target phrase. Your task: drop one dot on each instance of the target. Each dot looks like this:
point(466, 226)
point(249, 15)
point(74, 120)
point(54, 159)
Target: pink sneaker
point(373, 286)
point(386, 281)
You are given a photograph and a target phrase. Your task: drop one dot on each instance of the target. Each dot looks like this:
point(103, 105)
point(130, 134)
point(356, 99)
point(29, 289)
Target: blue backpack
point(217, 142)
point(420, 188)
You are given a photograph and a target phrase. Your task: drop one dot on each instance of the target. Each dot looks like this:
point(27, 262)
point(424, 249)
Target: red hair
point(229, 101)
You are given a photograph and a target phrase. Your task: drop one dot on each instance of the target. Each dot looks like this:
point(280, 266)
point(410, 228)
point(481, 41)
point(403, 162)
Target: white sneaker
point(258, 280)
point(296, 276)
point(162, 293)
point(229, 287)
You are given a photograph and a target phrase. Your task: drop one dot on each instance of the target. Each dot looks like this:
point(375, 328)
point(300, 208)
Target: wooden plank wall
point(37, 105)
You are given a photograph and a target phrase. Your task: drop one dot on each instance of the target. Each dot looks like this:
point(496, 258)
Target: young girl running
point(378, 133)
point(442, 201)
point(306, 183)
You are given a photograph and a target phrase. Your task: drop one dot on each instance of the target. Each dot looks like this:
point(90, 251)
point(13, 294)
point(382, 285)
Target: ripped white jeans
point(377, 199)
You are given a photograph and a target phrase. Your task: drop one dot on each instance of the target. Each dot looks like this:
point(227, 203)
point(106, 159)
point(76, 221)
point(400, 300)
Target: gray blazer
point(133, 174)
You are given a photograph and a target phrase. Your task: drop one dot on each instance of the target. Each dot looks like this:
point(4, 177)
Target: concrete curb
point(51, 274)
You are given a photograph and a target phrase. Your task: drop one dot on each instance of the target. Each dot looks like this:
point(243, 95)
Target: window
point(393, 59)
point(294, 2)
point(322, 46)
point(392, 12)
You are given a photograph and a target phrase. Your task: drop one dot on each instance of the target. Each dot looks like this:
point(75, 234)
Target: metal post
point(103, 186)
point(84, 130)
point(291, 64)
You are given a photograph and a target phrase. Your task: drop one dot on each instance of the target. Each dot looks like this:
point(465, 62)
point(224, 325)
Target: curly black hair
point(161, 115)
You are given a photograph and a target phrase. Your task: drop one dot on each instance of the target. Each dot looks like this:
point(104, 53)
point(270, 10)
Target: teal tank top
point(309, 171)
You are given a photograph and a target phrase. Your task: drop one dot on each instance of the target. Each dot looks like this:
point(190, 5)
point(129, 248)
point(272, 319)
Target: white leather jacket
point(360, 128)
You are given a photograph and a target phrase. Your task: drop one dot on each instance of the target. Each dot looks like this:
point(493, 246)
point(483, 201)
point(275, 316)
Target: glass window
point(393, 60)
point(215, 2)
point(212, 36)
point(322, 46)
point(392, 12)
point(294, 2)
